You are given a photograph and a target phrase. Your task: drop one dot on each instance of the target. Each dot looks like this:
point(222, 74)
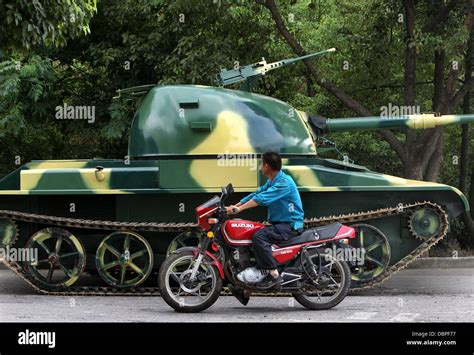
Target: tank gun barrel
point(423, 121)
point(227, 77)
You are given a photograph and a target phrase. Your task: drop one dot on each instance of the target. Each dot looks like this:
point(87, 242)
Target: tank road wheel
point(8, 232)
point(185, 239)
point(124, 259)
point(424, 223)
point(60, 260)
point(376, 252)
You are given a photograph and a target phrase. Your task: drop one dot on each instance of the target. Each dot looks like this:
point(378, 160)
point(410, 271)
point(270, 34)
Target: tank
point(117, 219)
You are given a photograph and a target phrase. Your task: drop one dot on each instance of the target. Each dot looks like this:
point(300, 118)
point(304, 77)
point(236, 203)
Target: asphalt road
point(417, 295)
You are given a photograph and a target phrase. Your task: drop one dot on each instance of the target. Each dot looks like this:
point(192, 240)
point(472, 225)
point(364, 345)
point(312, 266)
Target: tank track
point(182, 227)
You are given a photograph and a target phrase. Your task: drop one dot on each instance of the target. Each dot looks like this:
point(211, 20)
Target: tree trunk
point(438, 78)
point(463, 174)
point(309, 84)
point(464, 163)
point(469, 217)
point(468, 223)
point(412, 168)
point(410, 59)
point(409, 93)
point(466, 108)
point(434, 166)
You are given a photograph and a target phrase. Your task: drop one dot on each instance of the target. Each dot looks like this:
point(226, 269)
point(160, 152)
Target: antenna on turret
point(249, 72)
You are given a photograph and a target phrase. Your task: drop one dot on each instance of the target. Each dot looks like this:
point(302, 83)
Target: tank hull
point(72, 189)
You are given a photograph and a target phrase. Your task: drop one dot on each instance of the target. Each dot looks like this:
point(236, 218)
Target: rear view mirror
point(226, 191)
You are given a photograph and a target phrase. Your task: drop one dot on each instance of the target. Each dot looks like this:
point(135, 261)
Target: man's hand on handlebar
point(232, 209)
point(239, 207)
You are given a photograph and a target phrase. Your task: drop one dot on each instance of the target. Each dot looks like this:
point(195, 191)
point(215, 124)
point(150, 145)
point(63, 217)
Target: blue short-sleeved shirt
point(282, 198)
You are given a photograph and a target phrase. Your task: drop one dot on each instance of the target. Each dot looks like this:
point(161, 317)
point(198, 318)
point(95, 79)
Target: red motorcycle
point(191, 278)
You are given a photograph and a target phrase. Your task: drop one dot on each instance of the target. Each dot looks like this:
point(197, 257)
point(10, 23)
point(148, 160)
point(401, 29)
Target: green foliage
point(47, 22)
point(23, 92)
point(120, 111)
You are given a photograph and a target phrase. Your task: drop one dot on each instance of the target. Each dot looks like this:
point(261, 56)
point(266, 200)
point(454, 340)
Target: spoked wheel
point(326, 286)
point(60, 260)
point(124, 259)
point(185, 239)
point(182, 294)
point(376, 250)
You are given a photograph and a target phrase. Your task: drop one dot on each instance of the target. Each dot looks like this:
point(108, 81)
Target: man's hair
point(273, 160)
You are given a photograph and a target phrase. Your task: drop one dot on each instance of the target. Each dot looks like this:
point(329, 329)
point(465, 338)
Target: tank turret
point(204, 120)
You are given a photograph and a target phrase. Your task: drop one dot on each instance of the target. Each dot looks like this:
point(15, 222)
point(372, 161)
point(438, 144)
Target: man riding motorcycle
point(285, 213)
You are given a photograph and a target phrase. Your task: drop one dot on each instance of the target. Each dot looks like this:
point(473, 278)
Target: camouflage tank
point(118, 219)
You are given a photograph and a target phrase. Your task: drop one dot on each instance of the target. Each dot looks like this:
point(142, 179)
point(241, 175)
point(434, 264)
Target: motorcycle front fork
point(200, 257)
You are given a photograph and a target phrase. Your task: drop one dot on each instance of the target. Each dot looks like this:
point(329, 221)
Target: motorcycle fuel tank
point(239, 232)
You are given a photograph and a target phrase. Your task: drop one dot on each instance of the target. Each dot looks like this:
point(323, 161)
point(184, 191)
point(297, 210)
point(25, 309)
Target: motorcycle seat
point(314, 234)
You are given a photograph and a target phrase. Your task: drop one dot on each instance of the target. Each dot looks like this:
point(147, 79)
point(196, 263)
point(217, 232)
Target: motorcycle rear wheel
point(341, 276)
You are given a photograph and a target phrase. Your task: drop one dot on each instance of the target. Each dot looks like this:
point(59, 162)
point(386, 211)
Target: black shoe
point(239, 294)
point(269, 281)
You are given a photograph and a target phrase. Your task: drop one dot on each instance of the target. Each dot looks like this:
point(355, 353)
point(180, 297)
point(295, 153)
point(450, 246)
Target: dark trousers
point(262, 242)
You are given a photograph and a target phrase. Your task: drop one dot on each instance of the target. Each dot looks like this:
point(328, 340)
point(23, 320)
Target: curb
point(464, 262)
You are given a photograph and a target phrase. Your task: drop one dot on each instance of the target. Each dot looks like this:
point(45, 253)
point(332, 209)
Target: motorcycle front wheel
point(182, 294)
point(331, 285)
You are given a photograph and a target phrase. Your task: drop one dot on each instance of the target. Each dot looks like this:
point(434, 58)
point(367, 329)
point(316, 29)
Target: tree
point(24, 24)
point(420, 153)
point(468, 218)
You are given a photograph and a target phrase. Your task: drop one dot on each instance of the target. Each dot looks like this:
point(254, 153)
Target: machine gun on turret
point(251, 72)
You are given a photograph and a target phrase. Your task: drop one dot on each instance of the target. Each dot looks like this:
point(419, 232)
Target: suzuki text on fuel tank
point(191, 278)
